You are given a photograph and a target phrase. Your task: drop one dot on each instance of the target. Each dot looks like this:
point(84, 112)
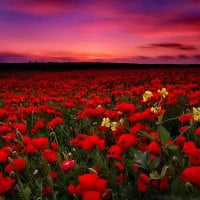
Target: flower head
point(106, 122)
point(163, 92)
point(113, 126)
point(155, 109)
point(147, 95)
point(196, 113)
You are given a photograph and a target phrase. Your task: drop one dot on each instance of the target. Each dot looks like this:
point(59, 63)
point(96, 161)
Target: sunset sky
point(142, 31)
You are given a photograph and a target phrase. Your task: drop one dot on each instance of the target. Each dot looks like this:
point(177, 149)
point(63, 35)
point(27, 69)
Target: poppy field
point(94, 134)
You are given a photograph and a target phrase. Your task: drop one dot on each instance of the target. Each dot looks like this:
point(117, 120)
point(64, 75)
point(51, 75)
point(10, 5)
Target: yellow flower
point(113, 126)
point(155, 109)
point(106, 122)
point(121, 121)
point(147, 95)
point(163, 92)
point(196, 113)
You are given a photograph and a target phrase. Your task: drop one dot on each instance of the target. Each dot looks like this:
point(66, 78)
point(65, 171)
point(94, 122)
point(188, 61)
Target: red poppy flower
point(162, 184)
point(101, 185)
point(125, 141)
point(191, 174)
point(41, 143)
point(47, 190)
point(53, 174)
point(120, 166)
point(154, 148)
point(54, 146)
point(67, 165)
point(180, 140)
point(90, 142)
point(5, 184)
point(3, 156)
point(101, 145)
point(126, 108)
point(49, 155)
point(30, 149)
point(88, 181)
point(21, 127)
point(3, 112)
point(91, 195)
point(71, 189)
point(186, 118)
point(189, 146)
point(143, 182)
point(115, 151)
point(120, 179)
point(19, 164)
point(55, 122)
point(4, 129)
point(197, 131)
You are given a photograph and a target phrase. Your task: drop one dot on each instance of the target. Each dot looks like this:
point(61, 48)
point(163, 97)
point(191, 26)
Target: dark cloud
point(23, 57)
point(182, 56)
point(143, 57)
point(166, 57)
point(196, 57)
point(13, 57)
point(188, 20)
point(169, 45)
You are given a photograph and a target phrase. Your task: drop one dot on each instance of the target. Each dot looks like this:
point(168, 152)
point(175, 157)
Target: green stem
point(169, 119)
point(182, 133)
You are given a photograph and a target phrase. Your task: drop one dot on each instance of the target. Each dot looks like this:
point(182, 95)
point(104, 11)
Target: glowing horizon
point(142, 31)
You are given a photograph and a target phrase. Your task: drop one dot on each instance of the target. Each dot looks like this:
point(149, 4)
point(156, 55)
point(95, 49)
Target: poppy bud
point(189, 186)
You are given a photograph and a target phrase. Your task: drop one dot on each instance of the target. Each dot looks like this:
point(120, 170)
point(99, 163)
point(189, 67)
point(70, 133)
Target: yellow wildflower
point(113, 126)
point(121, 121)
point(196, 113)
point(163, 92)
point(147, 95)
point(155, 109)
point(105, 122)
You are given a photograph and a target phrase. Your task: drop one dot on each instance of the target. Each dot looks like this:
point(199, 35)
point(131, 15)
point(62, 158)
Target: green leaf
point(142, 158)
point(23, 193)
point(163, 171)
point(177, 187)
point(147, 135)
point(163, 134)
point(137, 156)
point(27, 192)
point(156, 161)
point(160, 118)
point(172, 147)
point(154, 175)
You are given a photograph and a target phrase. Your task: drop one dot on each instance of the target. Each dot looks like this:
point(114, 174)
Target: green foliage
point(164, 135)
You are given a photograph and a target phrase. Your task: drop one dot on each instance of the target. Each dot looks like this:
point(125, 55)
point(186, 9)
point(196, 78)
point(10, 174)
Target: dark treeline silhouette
point(53, 66)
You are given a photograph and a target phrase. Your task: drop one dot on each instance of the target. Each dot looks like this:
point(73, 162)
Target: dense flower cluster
point(100, 134)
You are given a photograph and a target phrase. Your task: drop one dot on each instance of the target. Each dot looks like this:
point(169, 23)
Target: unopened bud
point(91, 170)
point(12, 174)
point(189, 186)
point(69, 155)
point(174, 159)
point(52, 134)
point(10, 160)
point(15, 154)
point(35, 172)
point(104, 195)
